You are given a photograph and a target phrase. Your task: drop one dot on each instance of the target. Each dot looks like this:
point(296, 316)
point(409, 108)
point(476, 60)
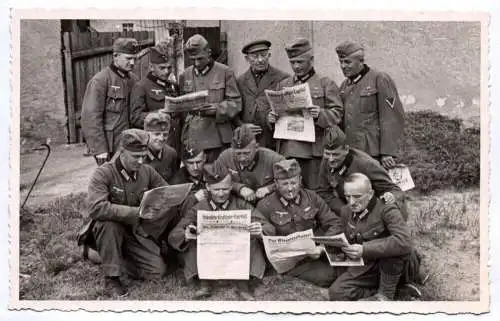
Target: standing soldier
point(212, 128)
point(162, 157)
point(105, 107)
point(148, 95)
point(250, 166)
point(259, 77)
point(374, 115)
point(327, 110)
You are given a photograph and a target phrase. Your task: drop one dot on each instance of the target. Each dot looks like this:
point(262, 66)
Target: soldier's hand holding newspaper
point(388, 198)
point(262, 192)
point(248, 194)
point(201, 194)
point(255, 229)
point(353, 251)
point(190, 232)
point(317, 252)
point(272, 117)
point(314, 110)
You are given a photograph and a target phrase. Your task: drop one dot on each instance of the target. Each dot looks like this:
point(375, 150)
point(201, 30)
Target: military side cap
point(334, 138)
point(157, 122)
point(126, 45)
point(212, 175)
point(195, 45)
point(189, 151)
point(135, 140)
point(286, 169)
point(346, 48)
point(157, 57)
point(255, 46)
point(242, 136)
point(299, 47)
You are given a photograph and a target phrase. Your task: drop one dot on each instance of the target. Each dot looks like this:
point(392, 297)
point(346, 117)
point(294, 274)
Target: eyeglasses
point(260, 54)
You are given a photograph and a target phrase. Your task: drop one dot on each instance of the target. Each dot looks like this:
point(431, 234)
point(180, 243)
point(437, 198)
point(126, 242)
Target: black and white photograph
point(389, 99)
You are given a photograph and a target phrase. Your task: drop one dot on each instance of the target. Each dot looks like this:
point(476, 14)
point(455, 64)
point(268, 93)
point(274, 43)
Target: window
point(128, 27)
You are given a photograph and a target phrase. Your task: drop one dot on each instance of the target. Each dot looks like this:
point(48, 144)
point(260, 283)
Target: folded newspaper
point(330, 246)
point(284, 252)
point(401, 176)
point(158, 200)
point(186, 103)
point(289, 98)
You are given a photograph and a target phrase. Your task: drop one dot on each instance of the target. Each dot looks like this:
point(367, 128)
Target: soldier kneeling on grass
point(377, 233)
point(219, 198)
point(126, 243)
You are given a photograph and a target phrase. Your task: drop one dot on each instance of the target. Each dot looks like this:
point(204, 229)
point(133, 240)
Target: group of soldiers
point(337, 184)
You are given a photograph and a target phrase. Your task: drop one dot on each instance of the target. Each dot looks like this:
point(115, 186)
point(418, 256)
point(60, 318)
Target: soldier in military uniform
point(210, 129)
point(183, 237)
point(162, 157)
point(252, 83)
point(327, 110)
point(250, 165)
point(148, 95)
point(291, 209)
point(106, 103)
point(377, 233)
point(374, 115)
point(126, 243)
point(340, 160)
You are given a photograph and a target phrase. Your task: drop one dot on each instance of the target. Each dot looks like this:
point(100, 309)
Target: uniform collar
point(205, 70)
point(347, 163)
point(123, 172)
point(224, 206)
point(259, 74)
point(195, 180)
point(286, 202)
point(120, 72)
point(156, 80)
point(367, 210)
point(152, 156)
point(358, 77)
point(304, 78)
point(252, 165)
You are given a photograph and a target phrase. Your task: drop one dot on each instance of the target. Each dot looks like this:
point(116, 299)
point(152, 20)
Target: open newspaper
point(401, 176)
point(284, 252)
point(294, 119)
point(189, 102)
point(331, 246)
point(159, 200)
point(223, 245)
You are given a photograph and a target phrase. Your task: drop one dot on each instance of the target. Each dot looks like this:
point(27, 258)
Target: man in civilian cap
point(210, 129)
point(259, 77)
point(126, 243)
point(291, 209)
point(162, 157)
point(219, 198)
point(327, 110)
point(148, 95)
point(340, 160)
point(250, 165)
point(374, 115)
point(106, 103)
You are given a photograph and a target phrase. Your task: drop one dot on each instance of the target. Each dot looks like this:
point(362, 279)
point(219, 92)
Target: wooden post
point(70, 89)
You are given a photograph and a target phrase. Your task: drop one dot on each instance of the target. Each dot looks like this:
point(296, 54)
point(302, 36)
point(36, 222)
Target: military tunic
point(374, 115)
point(166, 162)
point(255, 106)
point(106, 109)
point(325, 94)
point(189, 249)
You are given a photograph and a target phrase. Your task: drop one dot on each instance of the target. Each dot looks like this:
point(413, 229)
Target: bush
point(440, 152)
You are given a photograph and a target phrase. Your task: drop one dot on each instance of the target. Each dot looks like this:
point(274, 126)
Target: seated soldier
point(378, 233)
point(291, 209)
point(183, 237)
point(250, 166)
point(162, 157)
point(125, 242)
point(340, 160)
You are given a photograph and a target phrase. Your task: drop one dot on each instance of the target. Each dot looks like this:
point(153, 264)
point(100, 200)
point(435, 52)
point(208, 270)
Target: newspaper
point(159, 199)
point(401, 176)
point(189, 102)
point(330, 246)
point(289, 98)
point(284, 252)
point(223, 245)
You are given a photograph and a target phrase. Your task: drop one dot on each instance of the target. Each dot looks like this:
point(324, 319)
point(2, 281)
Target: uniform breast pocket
point(217, 90)
point(373, 232)
point(368, 100)
point(318, 98)
point(117, 195)
point(309, 218)
point(116, 100)
point(280, 218)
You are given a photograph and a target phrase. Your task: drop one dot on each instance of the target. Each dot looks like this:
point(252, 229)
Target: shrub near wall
point(440, 152)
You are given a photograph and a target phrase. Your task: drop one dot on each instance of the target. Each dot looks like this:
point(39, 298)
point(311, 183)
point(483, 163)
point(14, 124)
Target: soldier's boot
point(386, 288)
point(204, 289)
point(244, 290)
point(114, 287)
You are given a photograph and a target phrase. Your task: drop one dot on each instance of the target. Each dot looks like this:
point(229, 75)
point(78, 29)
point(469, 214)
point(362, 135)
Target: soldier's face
point(259, 61)
point(124, 61)
point(162, 70)
point(357, 195)
point(157, 140)
point(351, 65)
point(201, 60)
point(289, 187)
point(194, 165)
point(335, 157)
point(220, 191)
point(132, 161)
point(301, 65)
point(245, 156)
